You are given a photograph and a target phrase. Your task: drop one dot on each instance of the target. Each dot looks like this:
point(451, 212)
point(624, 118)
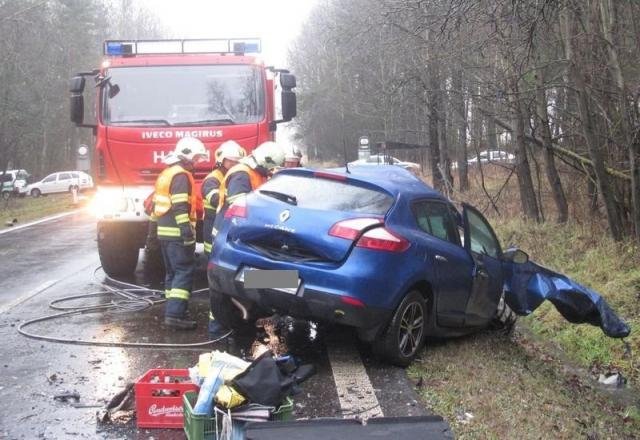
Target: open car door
point(483, 246)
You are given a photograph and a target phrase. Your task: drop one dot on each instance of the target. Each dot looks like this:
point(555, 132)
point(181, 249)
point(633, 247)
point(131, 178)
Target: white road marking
point(43, 220)
point(355, 392)
point(41, 288)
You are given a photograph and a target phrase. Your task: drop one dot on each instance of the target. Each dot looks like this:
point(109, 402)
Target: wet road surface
point(57, 259)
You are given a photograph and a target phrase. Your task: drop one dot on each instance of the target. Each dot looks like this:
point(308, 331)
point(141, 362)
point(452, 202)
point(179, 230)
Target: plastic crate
point(198, 427)
point(283, 412)
point(159, 397)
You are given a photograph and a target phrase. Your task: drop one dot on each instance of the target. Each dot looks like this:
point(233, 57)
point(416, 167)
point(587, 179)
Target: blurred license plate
point(286, 281)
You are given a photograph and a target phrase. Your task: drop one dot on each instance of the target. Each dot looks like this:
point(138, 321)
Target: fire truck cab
point(150, 94)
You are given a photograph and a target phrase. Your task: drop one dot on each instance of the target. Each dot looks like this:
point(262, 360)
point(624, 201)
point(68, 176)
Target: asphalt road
point(58, 258)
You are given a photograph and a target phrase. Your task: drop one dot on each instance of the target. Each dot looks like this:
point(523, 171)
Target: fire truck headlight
point(108, 203)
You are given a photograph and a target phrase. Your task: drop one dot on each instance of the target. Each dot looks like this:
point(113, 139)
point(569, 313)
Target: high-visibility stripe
point(168, 231)
point(166, 293)
point(178, 198)
point(182, 218)
point(232, 199)
point(187, 243)
point(207, 205)
point(208, 247)
point(178, 294)
point(214, 232)
point(211, 194)
point(211, 317)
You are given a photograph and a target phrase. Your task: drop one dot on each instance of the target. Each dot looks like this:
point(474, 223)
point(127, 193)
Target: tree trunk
point(459, 110)
point(549, 161)
point(604, 184)
point(434, 138)
point(523, 170)
point(608, 16)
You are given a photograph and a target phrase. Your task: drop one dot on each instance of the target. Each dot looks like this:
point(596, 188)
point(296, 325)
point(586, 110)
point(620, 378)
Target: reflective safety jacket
point(174, 205)
point(255, 179)
point(210, 196)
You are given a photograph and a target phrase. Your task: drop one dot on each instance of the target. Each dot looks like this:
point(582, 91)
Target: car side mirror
point(515, 255)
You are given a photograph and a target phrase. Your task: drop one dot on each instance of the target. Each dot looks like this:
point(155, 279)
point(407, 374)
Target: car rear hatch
point(307, 216)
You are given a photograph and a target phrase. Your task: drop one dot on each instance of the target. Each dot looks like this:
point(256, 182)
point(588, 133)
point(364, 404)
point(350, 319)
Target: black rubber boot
point(180, 323)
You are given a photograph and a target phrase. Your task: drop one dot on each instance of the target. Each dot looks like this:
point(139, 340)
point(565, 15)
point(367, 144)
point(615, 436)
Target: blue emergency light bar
point(118, 48)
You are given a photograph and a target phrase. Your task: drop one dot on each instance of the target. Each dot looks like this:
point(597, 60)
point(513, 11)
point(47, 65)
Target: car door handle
point(441, 258)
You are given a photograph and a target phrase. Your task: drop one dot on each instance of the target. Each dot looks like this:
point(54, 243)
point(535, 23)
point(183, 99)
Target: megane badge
point(284, 216)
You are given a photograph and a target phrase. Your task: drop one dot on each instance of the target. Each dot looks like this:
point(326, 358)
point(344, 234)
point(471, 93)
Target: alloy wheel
point(411, 328)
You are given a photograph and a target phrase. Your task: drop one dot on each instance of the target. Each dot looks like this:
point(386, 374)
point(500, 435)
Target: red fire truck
point(149, 94)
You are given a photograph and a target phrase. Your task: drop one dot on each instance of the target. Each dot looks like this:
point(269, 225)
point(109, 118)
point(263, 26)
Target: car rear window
point(318, 193)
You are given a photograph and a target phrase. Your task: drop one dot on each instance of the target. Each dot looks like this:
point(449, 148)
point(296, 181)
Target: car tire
point(505, 319)
point(35, 192)
point(405, 334)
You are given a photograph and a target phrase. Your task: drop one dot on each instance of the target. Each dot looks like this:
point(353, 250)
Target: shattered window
point(312, 193)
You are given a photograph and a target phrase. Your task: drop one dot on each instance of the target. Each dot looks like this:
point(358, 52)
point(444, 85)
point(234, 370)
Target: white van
point(13, 182)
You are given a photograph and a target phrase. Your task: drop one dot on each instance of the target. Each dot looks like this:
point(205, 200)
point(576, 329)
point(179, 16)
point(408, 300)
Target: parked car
point(13, 182)
point(384, 253)
point(379, 159)
point(492, 156)
point(61, 182)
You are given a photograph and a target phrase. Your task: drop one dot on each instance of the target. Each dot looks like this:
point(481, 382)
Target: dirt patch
point(496, 386)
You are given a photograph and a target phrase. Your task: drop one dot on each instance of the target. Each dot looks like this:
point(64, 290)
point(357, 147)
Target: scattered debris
point(53, 379)
point(612, 380)
point(120, 407)
point(11, 222)
point(464, 417)
point(65, 396)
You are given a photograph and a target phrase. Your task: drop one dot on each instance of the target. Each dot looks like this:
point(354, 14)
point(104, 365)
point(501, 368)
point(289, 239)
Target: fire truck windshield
point(183, 95)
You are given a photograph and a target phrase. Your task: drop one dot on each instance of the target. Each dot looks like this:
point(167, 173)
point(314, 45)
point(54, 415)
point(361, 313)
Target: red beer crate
point(159, 397)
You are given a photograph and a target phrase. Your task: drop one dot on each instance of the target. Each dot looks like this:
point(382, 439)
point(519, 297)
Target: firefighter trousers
point(179, 263)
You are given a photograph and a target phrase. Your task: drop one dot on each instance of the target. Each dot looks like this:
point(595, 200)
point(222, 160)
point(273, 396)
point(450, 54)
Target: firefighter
point(227, 155)
point(251, 172)
point(174, 207)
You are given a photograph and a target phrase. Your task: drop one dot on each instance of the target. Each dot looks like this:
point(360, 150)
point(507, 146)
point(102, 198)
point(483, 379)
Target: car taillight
point(352, 228)
point(381, 239)
point(237, 209)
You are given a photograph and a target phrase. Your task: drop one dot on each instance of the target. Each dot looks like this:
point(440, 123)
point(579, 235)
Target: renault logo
point(284, 216)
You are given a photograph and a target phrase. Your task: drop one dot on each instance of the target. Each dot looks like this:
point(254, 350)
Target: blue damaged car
point(373, 248)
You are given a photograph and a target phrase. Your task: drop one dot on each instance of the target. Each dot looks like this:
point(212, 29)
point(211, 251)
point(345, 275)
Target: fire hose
point(128, 298)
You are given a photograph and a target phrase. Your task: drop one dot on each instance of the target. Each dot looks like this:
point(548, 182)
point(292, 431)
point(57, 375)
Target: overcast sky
point(276, 22)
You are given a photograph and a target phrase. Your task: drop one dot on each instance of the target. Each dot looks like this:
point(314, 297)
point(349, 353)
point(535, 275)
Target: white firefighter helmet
point(187, 149)
point(269, 155)
point(230, 150)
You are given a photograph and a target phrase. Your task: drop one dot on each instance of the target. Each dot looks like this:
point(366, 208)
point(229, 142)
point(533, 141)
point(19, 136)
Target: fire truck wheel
point(117, 256)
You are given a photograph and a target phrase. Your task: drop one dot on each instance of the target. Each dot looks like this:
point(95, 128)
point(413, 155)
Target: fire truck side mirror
point(287, 81)
point(77, 109)
point(76, 85)
point(288, 105)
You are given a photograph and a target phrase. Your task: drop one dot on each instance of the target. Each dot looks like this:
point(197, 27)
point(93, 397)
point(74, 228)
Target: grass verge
point(26, 209)
point(592, 259)
point(490, 386)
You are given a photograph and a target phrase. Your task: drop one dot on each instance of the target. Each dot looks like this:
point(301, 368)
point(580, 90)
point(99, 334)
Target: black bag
point(263, 382)
point(268, 382)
